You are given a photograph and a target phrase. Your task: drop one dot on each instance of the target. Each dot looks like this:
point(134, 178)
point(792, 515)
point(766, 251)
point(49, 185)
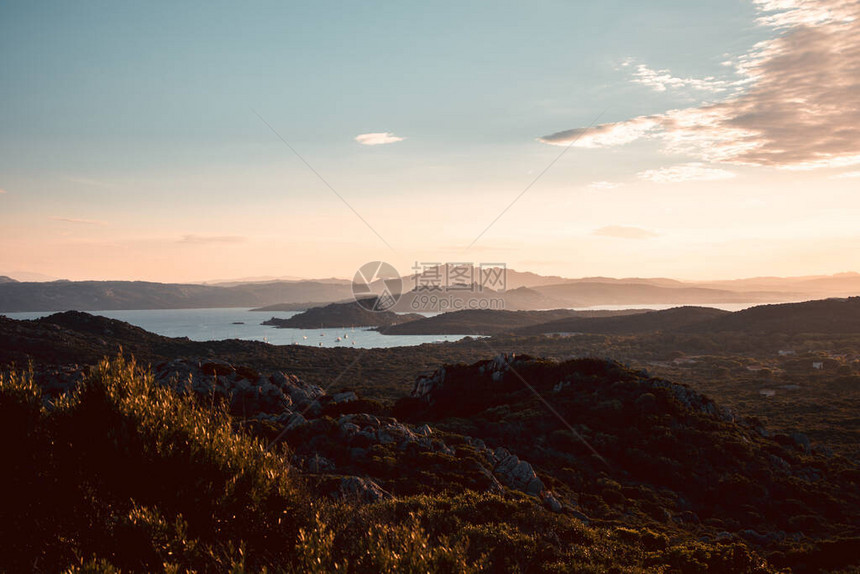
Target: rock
point(343, 397)
point(754, 537)
point(516, 473)
point(686, 517)
point(693, 400)
point(580, 516)
point(425, 384)
point(295, 421)
point(319, 463)
point(348, 429)
point(802, 441)
point(551, 502)
point(360, 488)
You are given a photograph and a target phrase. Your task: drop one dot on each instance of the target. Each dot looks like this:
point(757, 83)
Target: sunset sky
point(698, 140)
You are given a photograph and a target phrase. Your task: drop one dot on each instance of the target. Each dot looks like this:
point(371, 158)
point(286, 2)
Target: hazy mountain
point(5, 279)
point(519, 299)
point(29, 276)
point(443, 275)
point(524, 291)
point(269, 279)
point(111, 295)
point(840, 284)
point(587, 293)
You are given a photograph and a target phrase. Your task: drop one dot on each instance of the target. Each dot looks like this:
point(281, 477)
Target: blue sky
point(130, 147)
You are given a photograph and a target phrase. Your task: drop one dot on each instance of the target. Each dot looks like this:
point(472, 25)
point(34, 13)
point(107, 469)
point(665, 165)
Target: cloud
point(2, 190)
point(77, 220)
point(624, 232)
point(204, 239)
point(800, 108)
point(378, 138)
point(693, 171)
point(603, 185)
point(604, 135)
point(663, 80)
point(846, 175)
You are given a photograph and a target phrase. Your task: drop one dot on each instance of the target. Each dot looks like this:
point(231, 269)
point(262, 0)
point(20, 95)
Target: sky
point(219, 140)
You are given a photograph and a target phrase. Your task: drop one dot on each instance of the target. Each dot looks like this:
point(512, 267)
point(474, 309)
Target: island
point(338, 315)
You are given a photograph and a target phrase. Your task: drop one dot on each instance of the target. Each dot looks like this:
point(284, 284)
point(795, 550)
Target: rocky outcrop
point(363, 430)
point(362, 489)
point(516, 473)
point(249, 392)
point(426, 384)
point(693, 400)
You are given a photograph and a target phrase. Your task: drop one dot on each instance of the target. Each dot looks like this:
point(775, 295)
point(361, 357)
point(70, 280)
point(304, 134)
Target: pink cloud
point(800, 108)
point(693, 171)
point(377, 138)
point(77, 220)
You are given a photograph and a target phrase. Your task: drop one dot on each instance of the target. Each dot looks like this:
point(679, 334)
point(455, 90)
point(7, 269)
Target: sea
point(245, 324)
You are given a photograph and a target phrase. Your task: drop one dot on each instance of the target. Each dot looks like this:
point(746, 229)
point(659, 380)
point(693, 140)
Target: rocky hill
point(492, 322)
point(667, 320)
point(616, 444)
point(824, 316)
point(350, 314)
point(585, 463)
point(828, 316)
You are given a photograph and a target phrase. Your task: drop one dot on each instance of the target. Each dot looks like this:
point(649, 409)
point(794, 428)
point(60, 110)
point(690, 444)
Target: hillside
point(642, 450)
point(824, 316)
point(666, 320)
point(202, 464)
point(342, 315)
point(490, 322)
point(830, 316)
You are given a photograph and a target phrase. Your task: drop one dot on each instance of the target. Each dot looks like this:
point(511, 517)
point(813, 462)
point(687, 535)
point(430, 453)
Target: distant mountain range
point(523, 291)
point(114, 295)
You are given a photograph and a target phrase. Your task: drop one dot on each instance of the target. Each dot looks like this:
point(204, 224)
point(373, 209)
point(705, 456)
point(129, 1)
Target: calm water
point(241, 323)
point(216, 324)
